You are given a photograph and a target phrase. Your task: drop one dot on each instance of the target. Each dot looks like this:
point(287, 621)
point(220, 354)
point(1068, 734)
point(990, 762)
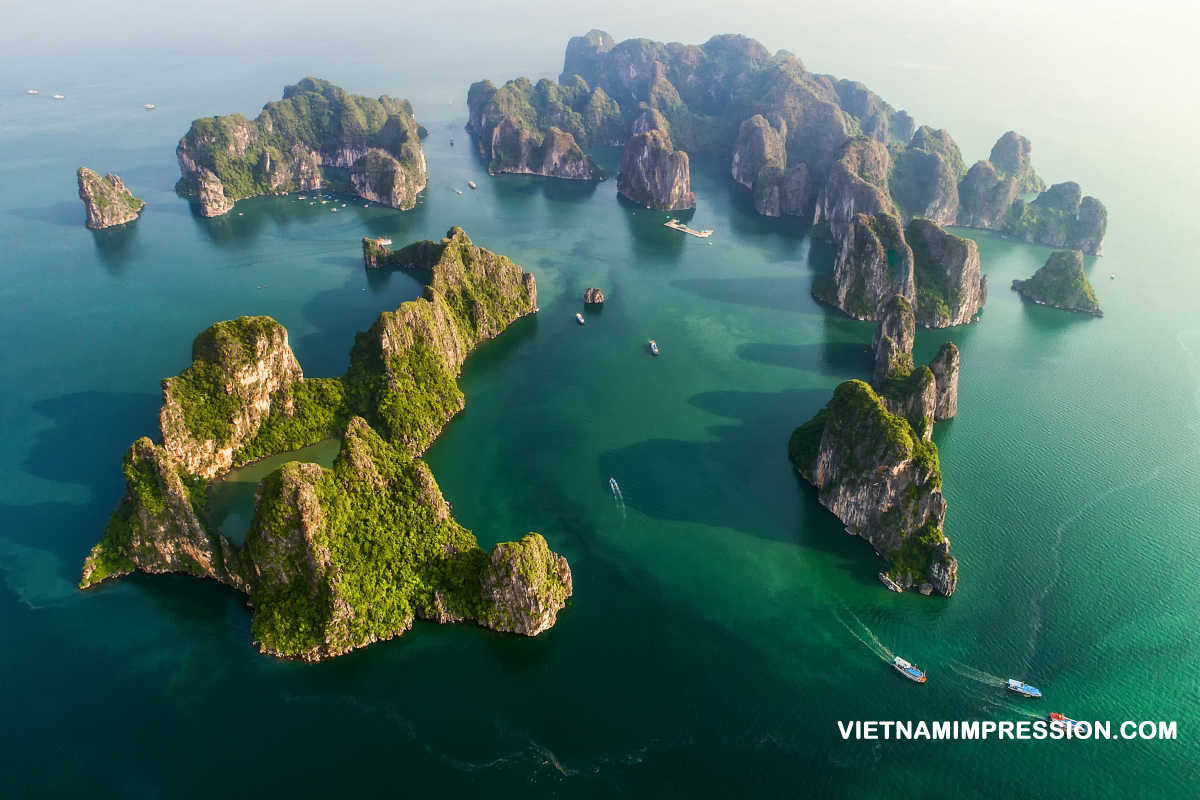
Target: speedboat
point(149, 106)
point(580, 318)
point(653, 347)
point(908, 670)
point(1066, 722)
point(1023, 688)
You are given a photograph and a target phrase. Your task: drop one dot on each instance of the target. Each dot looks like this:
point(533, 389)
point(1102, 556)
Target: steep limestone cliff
point(924, 176)
point(873, 264)
point(857, 184)
point(882, 479)
point(1061, 283)
point(945, 372)
point(950, 287)
point(1012, 156)
point(1060, 217)
point(984, 197)
point(218, 403)
point(106, 200)
point(893, 341)
point(655, 175)
point(525, 585)
point(222, 159)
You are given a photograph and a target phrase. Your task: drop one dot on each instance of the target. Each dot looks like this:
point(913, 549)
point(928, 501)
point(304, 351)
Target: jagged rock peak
point(945, 372)
point(951, 290)
point(593, 296)
point(1061, 283)
point(218, 403)
point(925, 175)
point(893, 342)
point(524, 586)
point(106, 200)
point(873, 263)
point(1012, 156)
point(655, 175)
point(857, 184)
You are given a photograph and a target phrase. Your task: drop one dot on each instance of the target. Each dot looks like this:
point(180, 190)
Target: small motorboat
point(471, 184)
point(149, 106)
point(1023, 688)
point(458, 191)
point(580, 318)
point(58, 97)
point(653, 347)
point(32, 91)
point(908, 670)
point(452, 141)
point(1067, 723)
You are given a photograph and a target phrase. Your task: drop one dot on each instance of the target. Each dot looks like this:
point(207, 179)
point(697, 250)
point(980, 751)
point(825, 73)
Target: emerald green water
point(722, 622)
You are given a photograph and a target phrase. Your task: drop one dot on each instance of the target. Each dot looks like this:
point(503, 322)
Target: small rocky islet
point(335, 559)
point(106, 200)
point(1061, 283)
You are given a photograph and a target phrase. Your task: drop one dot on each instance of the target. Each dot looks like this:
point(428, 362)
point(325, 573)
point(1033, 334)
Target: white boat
point(383, 242)
point(471, 184)
point(908, 670)
point(32, 91)
point(653, 347)
point(149, 106)
point(1022, 688)
point(58, 97)
point(580, 318)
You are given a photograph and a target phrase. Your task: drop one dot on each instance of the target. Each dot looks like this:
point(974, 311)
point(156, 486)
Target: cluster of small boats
point(1013, 685)
point(653, 344)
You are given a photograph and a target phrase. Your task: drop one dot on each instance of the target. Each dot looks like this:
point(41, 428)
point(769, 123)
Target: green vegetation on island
point(317, 124)
point(106, 200)
point(336, 559)
point(1062, 283)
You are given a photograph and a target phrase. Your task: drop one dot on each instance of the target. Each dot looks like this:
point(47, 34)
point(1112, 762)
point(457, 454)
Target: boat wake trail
point(985, 678)
point(618, 498)
point(871, 641)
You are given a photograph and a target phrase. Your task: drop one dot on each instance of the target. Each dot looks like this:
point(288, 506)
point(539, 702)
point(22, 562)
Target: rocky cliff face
point(655, 175)
point(882, 480)
point(950, 287)
point(106, 200)
point(1012, 156)
point(760, 163)
point(893, 341)
point(524, 586)
point(155, 528)
point(218, 403)
point(857, 184)
point(1061, 283)
point(213, 202)
point(758, 146)
point(873, 264)
point(1060, 217)
point(945, 372)
point(223, 159)
point(517, 149)
point(924, 176)
point(378, 177)
point(985, 197)
point(593, 296)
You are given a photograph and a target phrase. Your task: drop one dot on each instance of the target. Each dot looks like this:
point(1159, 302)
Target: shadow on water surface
point(112, 246)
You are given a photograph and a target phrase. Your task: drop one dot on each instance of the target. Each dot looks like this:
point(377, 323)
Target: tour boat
point(32, 91)
point(580, 318)
point(58, 97)
point(1023, 688)
point(383, 242)
point(679, 226)
point(1066, 721)
point(908, 670)
point(891, 584)
point(458, 190)
point(471, 184)
point(653, 347)
point(149, 106)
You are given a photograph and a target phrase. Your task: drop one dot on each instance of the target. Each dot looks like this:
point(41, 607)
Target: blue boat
point(1023, 688)
point(908, 670)
point(653, 347)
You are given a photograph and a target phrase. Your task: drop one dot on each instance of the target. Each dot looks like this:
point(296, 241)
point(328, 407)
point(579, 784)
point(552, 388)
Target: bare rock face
point(925, 175)
point(654, 175)
point(857, 184)
point(246, 359)
point(873, 263)
point(524, 586)
point(758, 145)
point(593, 296)
point(950, 288)
point(213, 202)
point(158, 523)
point(650, 119)
point(106, 200)
point(945, 372)
point(379, 177)
point(1012, 156)
point(516, 148)
point(893, 342)
point(984, 197)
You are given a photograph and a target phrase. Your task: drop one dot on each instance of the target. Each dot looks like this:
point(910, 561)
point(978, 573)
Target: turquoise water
point(722, 622)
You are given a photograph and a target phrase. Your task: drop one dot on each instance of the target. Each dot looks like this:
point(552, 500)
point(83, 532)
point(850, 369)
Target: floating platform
point(679, 226)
